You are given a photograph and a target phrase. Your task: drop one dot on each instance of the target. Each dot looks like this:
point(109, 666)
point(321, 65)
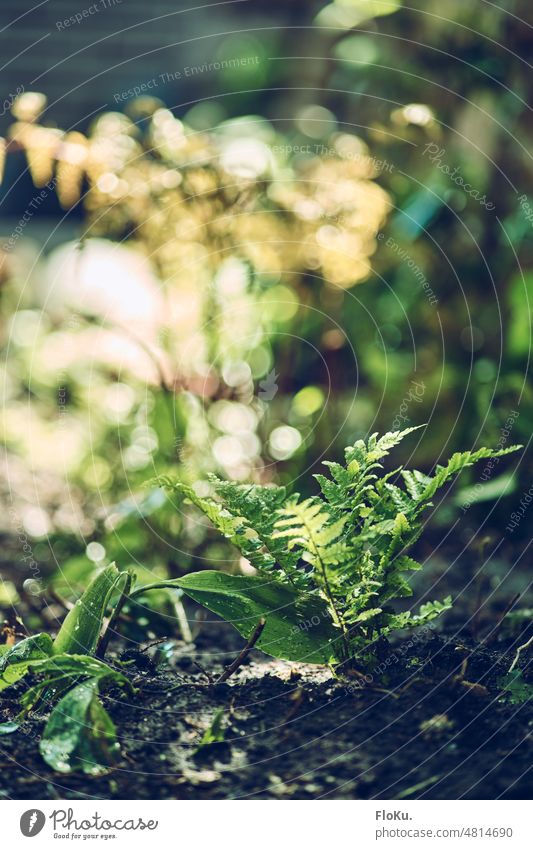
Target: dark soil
point(295, 732)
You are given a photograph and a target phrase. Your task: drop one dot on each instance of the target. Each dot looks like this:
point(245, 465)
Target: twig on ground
point(519, 651)
point(209, 677)
point(244, 653)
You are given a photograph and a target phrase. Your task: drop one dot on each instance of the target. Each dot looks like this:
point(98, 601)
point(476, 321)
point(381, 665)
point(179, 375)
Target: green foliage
point(352, 13)
point(62, 671)
point(244, 600)
point(80, 734)
point(82, 627)
point(15, 662)
point(216, 731)
point(345, 548)
point(516, 689)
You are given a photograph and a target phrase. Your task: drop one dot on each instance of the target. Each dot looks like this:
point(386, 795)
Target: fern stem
point(337, 618)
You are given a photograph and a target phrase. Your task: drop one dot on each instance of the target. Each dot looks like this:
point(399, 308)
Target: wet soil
point(433, 723)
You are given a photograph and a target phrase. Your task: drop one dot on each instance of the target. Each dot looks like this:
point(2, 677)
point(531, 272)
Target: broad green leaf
point(216, 731)
point(297, 627)
point(59, 673)
point(78, 666)
point(15, 662)
point(80, 734)
point(9, 727)
point(81, 629)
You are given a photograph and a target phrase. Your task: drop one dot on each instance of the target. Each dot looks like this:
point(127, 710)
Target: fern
point(348, 545)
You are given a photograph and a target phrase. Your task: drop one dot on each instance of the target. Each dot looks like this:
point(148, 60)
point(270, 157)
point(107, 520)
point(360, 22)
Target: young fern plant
point(329, 566)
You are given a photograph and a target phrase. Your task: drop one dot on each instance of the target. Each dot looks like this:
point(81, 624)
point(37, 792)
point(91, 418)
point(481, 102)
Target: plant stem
point(336, 615)
point(244, 653)
point(182, 620)
point(160, 585)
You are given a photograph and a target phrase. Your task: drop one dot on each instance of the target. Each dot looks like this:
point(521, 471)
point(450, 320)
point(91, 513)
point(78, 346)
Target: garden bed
point(433, 725)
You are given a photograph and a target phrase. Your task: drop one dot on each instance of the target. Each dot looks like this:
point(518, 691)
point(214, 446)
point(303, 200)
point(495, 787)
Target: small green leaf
point(9, 727)
point(430, 610)
point(15, 662)
point(216, 731)
point(78, 666)
point(517, 690)
point(298, 627)
point(365, 615)
point(405, 563)
point(81, 629)
point(64, 671)
point(80, 734)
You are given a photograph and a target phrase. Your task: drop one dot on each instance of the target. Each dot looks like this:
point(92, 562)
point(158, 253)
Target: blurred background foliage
point(332, 238)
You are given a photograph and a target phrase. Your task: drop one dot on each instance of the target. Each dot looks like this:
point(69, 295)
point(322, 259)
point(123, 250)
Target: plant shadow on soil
point(433, 725)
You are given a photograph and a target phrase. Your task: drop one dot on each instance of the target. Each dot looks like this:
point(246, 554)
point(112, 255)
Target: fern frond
point(415, 483)
point(349, 544)
point(458, 462)
point(308, 524)
point(379, 448)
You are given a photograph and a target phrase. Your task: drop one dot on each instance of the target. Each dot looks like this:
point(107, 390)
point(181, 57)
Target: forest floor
point(434, 724)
